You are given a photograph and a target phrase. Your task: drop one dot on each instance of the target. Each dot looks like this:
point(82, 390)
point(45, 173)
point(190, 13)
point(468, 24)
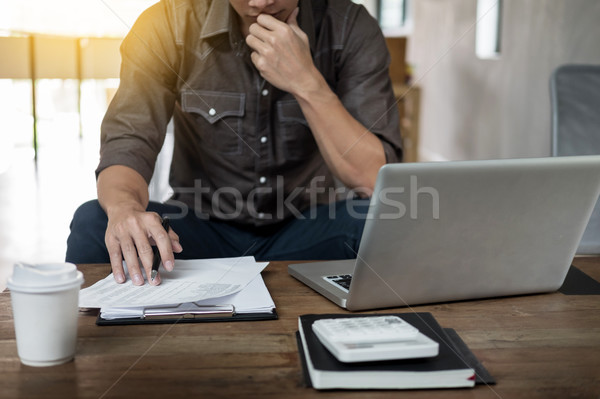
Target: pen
point(156, 262)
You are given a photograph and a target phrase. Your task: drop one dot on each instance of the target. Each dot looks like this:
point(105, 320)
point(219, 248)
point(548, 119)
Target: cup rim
point(77, 282)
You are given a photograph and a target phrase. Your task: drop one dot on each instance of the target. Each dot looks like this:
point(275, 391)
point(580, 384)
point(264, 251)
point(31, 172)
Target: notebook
point(447, 231)
point(455, 366)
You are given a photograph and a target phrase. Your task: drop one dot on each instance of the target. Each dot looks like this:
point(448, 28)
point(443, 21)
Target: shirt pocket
point(218, 117)
point(296, 137)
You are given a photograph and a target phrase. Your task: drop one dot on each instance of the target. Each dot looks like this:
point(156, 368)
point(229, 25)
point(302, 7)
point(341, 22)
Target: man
point(270, 100)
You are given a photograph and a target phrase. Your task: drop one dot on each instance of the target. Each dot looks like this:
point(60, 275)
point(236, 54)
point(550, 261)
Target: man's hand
point(281, 53)
point(131, 233)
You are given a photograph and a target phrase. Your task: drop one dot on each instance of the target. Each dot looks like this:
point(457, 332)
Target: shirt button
point(263, 139)
point(261, 215)
point(212, 112)
point(262, 180)
point(265, 92)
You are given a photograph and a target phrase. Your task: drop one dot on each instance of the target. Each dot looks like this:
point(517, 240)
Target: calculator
point(373, 338)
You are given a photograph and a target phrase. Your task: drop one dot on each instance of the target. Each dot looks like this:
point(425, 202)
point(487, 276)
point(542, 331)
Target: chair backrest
point(575, 95)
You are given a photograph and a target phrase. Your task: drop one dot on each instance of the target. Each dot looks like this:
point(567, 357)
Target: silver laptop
point(448, 231)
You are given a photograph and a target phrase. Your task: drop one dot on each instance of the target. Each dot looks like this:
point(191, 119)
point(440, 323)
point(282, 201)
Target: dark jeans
point(330, 232)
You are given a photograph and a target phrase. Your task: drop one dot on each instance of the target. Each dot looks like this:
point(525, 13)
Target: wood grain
point(537, 346)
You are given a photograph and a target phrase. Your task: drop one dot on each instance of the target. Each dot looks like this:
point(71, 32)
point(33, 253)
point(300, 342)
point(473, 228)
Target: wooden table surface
point(537, 346)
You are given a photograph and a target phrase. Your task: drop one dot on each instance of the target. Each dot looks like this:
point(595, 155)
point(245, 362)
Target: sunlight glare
point(79, 18)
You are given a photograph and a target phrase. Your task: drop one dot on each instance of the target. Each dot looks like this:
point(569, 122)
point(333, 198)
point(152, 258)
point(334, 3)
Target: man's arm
point(354, 156)
point(133, 132)
point(282, 55)
point(131, 231)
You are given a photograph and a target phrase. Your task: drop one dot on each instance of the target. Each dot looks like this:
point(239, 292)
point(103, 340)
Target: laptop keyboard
point(341, 281)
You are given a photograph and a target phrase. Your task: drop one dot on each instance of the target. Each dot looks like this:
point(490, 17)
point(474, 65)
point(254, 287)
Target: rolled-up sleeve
point(364, 85)
point(134, 127)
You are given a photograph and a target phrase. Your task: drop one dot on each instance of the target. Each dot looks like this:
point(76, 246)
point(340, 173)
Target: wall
point(478, 109)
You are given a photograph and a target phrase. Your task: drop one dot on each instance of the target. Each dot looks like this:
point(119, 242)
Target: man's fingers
point(259, 32)
point(116, 260)
point(269, 22)
point(162, 240)
point(270, 30)
point(131, 237)
point(131, 259)
point(175, 244)
point(256, 44)
point(127, 236)
point(257, 60)
point(292, 20)
point(143, 248)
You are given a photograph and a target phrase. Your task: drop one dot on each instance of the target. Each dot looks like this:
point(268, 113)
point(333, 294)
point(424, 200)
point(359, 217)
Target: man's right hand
point(131, 234)
point(131, 231)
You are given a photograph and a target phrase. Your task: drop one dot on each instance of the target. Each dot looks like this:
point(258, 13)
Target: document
point(190, 281)
point(254, 298)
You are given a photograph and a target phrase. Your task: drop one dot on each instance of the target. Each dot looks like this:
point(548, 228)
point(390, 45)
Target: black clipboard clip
point(190, 311)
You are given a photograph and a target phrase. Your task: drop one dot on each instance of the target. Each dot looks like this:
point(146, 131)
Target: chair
point(575, 95)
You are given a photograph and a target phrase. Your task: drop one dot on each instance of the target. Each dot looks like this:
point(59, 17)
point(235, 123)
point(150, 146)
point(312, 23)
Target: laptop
point(449, 231)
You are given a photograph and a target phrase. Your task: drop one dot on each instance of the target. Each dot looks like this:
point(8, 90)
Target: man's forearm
point(351, 151)
point(121, 188)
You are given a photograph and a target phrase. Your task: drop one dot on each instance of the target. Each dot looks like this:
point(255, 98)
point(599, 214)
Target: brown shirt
point(243, 150)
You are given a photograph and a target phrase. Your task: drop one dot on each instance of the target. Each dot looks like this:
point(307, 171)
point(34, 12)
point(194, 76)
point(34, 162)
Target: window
point(394, 16)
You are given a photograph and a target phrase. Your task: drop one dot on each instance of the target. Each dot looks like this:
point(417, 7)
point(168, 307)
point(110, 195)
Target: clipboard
point(201, 314)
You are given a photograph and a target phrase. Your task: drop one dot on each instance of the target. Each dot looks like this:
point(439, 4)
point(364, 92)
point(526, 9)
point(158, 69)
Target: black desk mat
point(579, 283)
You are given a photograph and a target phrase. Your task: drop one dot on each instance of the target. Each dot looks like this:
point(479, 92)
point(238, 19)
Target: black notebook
point(454, 367)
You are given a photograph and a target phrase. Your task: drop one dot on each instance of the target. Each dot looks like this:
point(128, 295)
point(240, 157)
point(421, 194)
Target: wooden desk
point(539, 346)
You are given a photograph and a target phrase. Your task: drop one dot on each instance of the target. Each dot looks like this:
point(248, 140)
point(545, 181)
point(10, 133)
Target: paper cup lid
point(46, 277)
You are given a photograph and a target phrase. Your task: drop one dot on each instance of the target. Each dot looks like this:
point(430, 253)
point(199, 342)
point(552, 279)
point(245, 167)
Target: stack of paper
point(254, 298)
point(233, 283)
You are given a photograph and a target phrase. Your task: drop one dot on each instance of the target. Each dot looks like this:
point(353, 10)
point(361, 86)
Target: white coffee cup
point(45, 308)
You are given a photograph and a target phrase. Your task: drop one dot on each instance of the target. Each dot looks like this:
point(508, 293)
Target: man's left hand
point(281, 53)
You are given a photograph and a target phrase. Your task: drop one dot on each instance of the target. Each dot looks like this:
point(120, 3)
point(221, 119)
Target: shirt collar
point(217, 19)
